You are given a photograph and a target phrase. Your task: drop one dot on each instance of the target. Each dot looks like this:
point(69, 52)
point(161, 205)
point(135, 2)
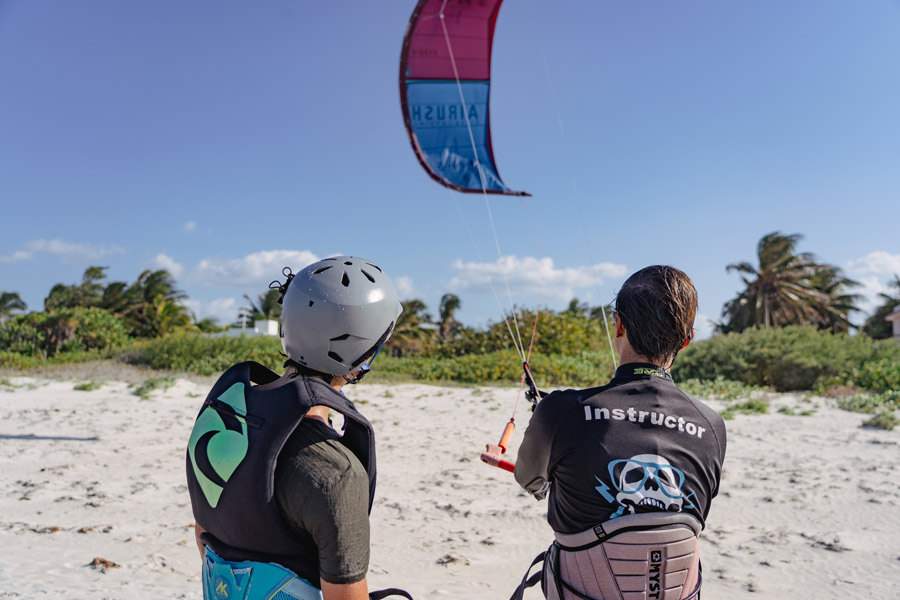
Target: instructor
point(636, 446)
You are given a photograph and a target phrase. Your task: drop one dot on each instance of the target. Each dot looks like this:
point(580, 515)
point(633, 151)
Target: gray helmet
point(337, 313)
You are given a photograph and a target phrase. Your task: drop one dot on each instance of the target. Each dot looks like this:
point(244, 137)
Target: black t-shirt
point(638, 444)
point(322, 491)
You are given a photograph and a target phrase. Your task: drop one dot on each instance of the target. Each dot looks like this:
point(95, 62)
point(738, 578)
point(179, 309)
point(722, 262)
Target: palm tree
point(268, 307)
point(834, 313)
point(157, 305)
point(877, 326)
point(86, 294)
point(413, 330)
point(787, 288)
point(447, 323)
point(9, 303)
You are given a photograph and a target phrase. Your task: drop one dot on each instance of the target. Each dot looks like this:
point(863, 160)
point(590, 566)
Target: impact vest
point(231, 458)
point(646, 556)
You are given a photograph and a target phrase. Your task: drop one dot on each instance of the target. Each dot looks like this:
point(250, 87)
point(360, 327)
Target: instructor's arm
point(533, 459)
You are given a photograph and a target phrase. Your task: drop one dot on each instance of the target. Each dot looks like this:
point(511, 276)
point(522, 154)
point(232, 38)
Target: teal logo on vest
point(226, 448)
point(221, 588)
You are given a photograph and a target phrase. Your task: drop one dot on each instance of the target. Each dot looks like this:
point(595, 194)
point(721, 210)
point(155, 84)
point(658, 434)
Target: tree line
point(784, 287)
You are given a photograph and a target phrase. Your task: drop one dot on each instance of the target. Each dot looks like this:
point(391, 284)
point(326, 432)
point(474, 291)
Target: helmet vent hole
point(335, 356)
point(317, 271)
point(345, 280)
point(311, 302)
point(369, 277)
point(376, 267)
point(347, 262)
point(340, 338)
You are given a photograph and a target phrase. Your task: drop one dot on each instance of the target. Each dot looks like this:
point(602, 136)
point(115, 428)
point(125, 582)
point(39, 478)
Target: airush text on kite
point(443, 114)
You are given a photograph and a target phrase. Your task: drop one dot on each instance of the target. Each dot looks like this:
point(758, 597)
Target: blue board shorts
point(246, 580)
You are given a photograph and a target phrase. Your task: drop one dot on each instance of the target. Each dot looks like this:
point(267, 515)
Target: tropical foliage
point(414, 332)
point(263, 307)
point(789, 288)
point(786, 358)
point(48, 334)
point(877, 326)
point(10, 302)
point(149, 307)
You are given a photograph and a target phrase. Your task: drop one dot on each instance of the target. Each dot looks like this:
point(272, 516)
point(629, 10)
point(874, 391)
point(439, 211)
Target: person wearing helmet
point(281, 499)
point(631, 467)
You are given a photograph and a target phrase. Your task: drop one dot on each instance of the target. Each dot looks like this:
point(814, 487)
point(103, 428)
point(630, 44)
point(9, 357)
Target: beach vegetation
point(787, 287)
point(10, 302)
point(785, 358)
point(882, 420)
point(876, 325)
point(65, 330)
point(722, 389)
point(750, 406)
point(88, 386)
point(265, 306)
point(871, 403)
point(145, 389)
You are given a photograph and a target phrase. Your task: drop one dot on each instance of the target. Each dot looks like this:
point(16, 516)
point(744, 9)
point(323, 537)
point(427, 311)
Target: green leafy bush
point(879, 376)
point(871, 403)
point(589, 369)
point(46, 334)
point(206, 355)
point(717, 389)
point(151, 385)
point(882, 420)
point(787, 358)
point(88, 386)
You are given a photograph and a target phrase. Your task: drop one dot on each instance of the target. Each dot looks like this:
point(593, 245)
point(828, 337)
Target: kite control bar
point(493, 452)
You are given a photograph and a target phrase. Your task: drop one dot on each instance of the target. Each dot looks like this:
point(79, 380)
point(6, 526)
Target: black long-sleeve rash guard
point(637, 444)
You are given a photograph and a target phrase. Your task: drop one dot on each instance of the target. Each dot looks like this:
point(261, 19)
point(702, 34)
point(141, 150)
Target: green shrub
point(505, 367)
point(717, 389)
point(878, 376)
point(871, 403)
point(786, 358)
point(206, 355)
point(151, 385)
point(88, 386)
point(46, 334)
point(882, 420)
point(752, 406)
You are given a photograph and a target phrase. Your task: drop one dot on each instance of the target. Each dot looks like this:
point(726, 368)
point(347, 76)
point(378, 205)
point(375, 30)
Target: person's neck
point(627, 356)
point(320, 413)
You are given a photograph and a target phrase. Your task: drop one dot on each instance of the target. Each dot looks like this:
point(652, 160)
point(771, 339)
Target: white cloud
point(873, 271)
point(189, 226)
point(253, 270)
point(405, 288)
point(531, 275)
point(224, 310)
point(67, 252)
point(877, 263)
point(703, 326)
point(164, 261)
point(869, 289)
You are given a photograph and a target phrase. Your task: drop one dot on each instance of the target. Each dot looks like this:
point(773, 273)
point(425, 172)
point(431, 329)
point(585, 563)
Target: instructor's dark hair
point(657, 305)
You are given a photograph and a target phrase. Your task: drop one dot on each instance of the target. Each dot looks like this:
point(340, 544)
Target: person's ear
point(688, 341)
point(620, 327)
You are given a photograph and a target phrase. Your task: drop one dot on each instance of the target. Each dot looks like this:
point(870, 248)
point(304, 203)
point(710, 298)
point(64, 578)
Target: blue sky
point(224, 140)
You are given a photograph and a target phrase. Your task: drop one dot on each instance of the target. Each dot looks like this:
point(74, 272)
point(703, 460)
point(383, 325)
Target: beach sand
point(95, 506)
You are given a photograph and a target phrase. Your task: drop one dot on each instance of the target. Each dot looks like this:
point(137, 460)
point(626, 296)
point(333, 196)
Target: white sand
point(810, 506)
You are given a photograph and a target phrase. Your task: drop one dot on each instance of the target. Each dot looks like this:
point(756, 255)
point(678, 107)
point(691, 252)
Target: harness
point(647, 556)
